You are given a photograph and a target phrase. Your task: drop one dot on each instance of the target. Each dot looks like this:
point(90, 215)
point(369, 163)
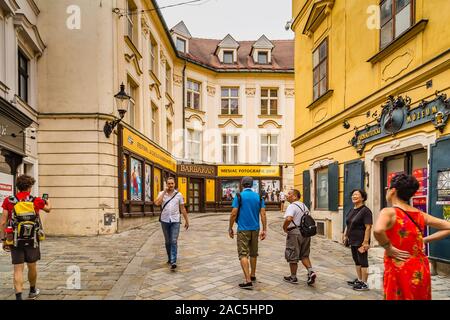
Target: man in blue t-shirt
point(250, 207)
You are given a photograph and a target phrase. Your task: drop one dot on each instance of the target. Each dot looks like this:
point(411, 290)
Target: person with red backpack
point(21, 230)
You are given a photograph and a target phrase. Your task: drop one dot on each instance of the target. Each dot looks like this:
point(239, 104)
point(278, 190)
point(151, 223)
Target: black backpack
point(307, 225)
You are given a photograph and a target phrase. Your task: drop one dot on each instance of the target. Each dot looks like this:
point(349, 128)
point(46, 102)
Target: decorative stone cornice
point(133, 59)
point(33, 38)
point(319, 11)
point(145, 27)
point(230, 122)
point(211, 90)
point(177, 80)
point(162, 57)
point(270, 122)
point(250, 92)
point(289, 93)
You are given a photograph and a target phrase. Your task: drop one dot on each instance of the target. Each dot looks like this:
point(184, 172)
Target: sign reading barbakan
point(145, 149)
point(198, 170)
point(252, 171)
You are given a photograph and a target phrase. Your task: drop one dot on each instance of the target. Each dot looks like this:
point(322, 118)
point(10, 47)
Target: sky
point(243, 19)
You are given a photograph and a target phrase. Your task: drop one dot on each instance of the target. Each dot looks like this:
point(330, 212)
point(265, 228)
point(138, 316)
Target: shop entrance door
point(413, 163)
point(195, 195)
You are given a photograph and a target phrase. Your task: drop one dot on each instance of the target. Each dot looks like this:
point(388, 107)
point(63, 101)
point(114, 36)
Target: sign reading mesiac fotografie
point(252, 171)
point(397, 116)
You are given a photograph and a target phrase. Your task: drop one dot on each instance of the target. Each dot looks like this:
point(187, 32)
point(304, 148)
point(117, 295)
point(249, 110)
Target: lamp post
point(122, 102)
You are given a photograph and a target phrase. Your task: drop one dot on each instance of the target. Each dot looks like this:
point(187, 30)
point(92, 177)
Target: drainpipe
point(184, 111)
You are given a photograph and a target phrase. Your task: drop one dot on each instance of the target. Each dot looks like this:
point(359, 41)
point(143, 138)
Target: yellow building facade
point(371, 82)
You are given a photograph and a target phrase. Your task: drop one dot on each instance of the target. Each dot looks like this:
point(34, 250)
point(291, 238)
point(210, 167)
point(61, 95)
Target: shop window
point(136, 180)
point(229, 189)
point(270, 190)
point(148, 183)
point(125, 177)
point(396, 16)
point(156, 183)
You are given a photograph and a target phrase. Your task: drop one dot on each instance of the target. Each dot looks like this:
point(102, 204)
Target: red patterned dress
point(410, 279)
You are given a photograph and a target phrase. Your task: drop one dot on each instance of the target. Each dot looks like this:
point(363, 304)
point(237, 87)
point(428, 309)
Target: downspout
point(184, 110)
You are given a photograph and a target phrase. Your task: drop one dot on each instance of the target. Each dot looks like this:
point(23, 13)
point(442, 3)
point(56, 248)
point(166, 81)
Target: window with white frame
point(2, 46)
point(155, 123)
point(263, 57)
point(132, 106)
point(320, 70)
point(230, 101)
point(321, 189)
point(193, 94)
point(181, 45)
point(169, 135)
point(228, 57)
point(194, 144)
point(269, 101)
point(131, 19)
point(168, 79)
point(23, 76)
point(269, 148)
point(153, 55)
point(396, 17)
point(230, 148)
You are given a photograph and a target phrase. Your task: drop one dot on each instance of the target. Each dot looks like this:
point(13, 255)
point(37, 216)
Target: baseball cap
point(247, 182)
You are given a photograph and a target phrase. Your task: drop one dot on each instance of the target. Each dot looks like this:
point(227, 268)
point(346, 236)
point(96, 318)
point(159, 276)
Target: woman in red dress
point(399, 230)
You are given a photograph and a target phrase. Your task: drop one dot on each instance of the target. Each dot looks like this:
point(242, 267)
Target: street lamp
point(122, 102)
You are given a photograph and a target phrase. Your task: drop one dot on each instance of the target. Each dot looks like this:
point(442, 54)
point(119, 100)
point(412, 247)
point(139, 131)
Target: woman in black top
point(357, 236)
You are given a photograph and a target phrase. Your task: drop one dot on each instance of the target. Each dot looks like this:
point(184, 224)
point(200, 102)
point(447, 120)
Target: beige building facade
point(101, 184)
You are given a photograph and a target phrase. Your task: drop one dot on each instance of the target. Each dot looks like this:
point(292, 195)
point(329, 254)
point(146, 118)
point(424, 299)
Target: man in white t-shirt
point(297, 246)
point(172, 203)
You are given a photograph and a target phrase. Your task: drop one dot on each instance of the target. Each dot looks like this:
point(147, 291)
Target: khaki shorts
point(247, 243)
point(297, 247)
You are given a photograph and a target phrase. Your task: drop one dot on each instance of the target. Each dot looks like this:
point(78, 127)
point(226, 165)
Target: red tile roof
point(202, 51)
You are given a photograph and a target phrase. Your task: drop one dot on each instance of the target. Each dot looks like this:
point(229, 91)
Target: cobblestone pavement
point(132, 266)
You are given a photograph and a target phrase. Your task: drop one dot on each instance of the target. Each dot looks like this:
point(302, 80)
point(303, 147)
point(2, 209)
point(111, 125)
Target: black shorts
point(360, 259)
point(27, 254)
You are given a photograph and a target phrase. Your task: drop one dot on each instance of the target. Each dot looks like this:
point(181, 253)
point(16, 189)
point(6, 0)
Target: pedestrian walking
point(248, 208)
point(399, 230)
point(282, 200)
point(357, 236)
point(22, 232)
point(172, 203)
point(297, 246)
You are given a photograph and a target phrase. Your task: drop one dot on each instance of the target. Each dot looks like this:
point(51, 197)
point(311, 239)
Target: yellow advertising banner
point(138, 145)
point(210, 190)
point(251, 171)
point(156, 183)
point(182, 186)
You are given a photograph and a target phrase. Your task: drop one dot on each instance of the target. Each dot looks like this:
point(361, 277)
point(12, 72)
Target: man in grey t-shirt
point(297, 246)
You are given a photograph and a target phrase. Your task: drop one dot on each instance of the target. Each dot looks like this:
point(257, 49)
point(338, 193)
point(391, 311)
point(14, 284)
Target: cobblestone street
point(132, 265)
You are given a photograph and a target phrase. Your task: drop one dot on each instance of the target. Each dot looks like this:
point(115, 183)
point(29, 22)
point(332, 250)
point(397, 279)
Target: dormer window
point(263, 57)
point(262, 51)
point(181, 45)
point(228, 57)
